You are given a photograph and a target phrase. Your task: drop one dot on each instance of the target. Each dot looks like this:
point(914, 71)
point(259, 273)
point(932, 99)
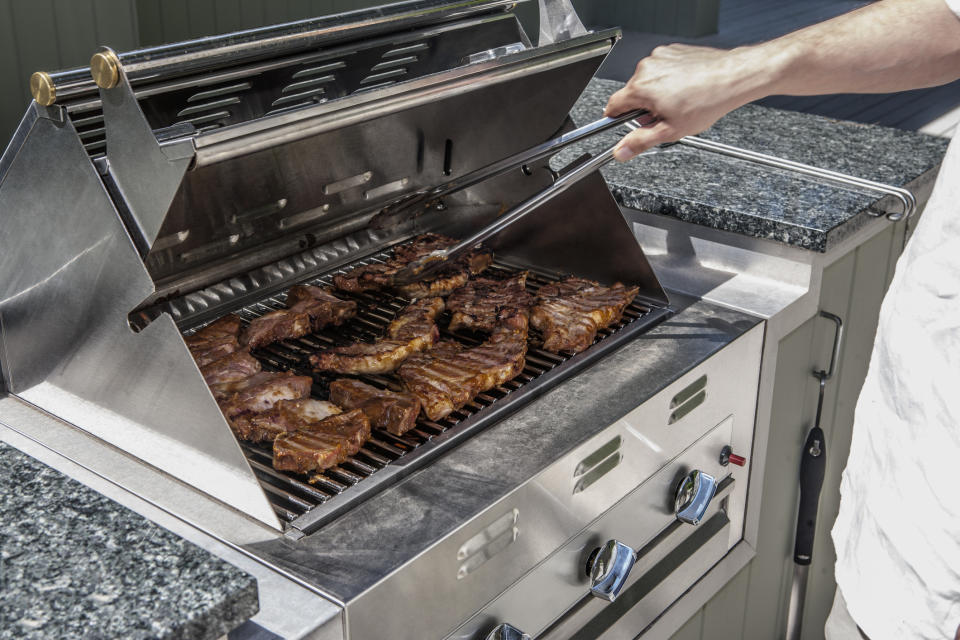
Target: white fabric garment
point(897, 535)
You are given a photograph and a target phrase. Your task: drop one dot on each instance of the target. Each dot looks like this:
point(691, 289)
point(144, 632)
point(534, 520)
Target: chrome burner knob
point(507, 632)
point(693, 496)
point(608, 568)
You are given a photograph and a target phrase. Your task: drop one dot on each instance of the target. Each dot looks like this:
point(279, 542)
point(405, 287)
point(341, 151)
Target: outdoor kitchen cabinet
point(849, 282)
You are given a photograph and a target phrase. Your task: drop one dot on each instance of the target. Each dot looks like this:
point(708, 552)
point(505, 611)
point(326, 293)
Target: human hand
point(687, 88)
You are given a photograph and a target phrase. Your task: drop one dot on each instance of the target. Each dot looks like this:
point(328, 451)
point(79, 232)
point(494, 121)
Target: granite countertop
point(76, 564)
point(734, 195)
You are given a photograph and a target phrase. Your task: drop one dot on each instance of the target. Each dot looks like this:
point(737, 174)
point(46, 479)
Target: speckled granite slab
point(742, 197)
point(369, 542)
point(74, 564)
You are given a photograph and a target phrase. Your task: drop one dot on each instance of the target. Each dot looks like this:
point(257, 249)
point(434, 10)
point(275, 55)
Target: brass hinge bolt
point(105, 69)
point(43, 89)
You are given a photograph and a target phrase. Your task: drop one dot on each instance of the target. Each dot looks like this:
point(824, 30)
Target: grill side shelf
point(304, 503)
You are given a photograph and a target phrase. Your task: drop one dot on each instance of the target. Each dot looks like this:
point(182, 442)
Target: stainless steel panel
point(289, 179)
point(146, 175)
point(551, 510)
point(561, 581)
point(69, 275)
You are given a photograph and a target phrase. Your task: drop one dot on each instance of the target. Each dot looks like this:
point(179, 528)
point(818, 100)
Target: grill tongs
point(429, 263)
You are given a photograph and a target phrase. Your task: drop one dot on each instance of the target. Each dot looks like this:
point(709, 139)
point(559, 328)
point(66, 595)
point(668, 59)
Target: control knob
point(608, 568)
point(693, 496)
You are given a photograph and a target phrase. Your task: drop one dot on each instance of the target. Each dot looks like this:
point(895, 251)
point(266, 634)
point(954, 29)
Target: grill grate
point(307, 502)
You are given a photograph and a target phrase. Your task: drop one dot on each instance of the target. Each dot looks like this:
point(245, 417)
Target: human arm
point(892, 45)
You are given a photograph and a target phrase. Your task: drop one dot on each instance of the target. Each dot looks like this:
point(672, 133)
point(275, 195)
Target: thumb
point(639, 140)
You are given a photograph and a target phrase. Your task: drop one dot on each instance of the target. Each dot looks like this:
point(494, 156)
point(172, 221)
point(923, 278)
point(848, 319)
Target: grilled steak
point(214, 341)
point(570, 312)
point(395, 412)
point(205, 357)
point(323, 307)
point(380, 275)
point(214, 333)
point(259, 392)
point(309, 309)
point(484, 304)
point(445, 382)
point(421, 246)
point(413, 330)
point(231, 368)
point(276, 325)
point(284, 417)
point(323, 444)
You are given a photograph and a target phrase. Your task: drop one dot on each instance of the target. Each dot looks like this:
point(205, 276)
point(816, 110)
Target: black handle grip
point(813, 464)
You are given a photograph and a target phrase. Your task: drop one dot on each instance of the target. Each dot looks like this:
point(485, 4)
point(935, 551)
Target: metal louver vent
point(90, 129)
point(211, 108)
point(309, 86)
point(393, 66)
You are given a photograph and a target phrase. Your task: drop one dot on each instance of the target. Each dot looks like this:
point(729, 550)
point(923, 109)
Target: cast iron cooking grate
point(306, 502)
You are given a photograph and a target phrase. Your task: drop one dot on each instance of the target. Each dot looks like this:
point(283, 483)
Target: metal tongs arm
point(432, 261)
point(418, 199)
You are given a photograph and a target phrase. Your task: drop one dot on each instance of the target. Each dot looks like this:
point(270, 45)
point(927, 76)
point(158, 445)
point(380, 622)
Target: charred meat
point(484, 304)
point(379, 276)
point(570, 312)
point(309, 309)
point(445, 382)
point(259, 392)
point(323, 444)
point(214, 341)
point(214, 333)
point(321, 305)
point(395, 412)
point(231, 368)
point(413, 330)
point(286, 416)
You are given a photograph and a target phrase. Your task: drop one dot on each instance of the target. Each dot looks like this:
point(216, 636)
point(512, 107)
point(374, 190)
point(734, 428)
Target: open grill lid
point(203, 161)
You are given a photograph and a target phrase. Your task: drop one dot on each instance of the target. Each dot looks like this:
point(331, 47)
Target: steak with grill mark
point(570, 312)
point(259, 392)
point(413, 330)
point(284, 417)
point(447, 381)
point(322, 444)
point(484, 304)
point(231, 368)
point(379, 276)
point(309, 309)
point(214, 341)
point(395, 412)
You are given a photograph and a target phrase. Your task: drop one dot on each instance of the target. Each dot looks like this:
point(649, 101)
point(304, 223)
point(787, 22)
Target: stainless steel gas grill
point(200, 179)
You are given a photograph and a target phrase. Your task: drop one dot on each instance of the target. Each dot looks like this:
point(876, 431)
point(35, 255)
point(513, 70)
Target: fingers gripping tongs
point(421, 267)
